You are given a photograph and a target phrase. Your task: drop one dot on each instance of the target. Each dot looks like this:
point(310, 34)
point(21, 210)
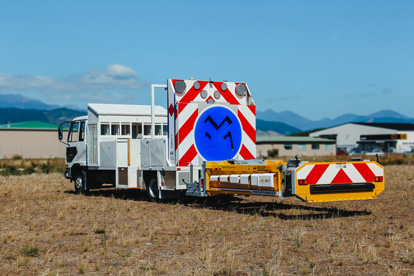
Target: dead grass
point(48, 230)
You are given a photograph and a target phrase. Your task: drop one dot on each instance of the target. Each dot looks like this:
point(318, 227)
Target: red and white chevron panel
point(186, 152)
point(247, 117)
point(339, 173)
point(185, 106)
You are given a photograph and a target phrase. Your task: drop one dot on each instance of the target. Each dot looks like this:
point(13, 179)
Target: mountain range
point(54, 116)
point(19, 101)
point(16, 108)
point(293, 119)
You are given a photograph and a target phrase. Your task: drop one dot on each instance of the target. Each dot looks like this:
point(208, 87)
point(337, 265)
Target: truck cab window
point(73, 132)
point(104, 129)
point(82, 132)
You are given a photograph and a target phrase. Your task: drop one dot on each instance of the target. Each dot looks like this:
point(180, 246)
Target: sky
point(316, 58)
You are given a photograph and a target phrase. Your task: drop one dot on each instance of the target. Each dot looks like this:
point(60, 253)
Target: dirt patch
point(48, 230)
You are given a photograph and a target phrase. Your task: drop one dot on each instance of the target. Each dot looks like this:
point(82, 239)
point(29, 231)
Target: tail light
point(379, 179)
point(303, 182)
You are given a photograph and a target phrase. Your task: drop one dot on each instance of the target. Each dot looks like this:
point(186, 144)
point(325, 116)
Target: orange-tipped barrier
point(311, 182)
point(321, 182)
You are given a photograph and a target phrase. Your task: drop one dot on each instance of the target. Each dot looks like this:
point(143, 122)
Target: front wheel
point(152, 190)
point(80, 183)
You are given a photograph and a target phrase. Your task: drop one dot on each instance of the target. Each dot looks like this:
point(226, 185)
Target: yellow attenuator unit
point(244, 179)
point(311, 182)
point(365, 184)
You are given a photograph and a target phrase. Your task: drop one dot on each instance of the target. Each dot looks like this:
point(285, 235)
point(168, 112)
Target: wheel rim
point(78, 183)
point(153, 191)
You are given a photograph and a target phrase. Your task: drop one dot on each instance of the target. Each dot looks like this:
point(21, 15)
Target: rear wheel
point(152, 190)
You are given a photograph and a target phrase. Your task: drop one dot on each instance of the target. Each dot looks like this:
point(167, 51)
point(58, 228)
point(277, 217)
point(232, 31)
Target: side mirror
point(60, 133)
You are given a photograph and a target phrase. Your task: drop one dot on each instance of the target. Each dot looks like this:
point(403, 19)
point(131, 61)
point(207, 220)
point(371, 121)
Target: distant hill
point(56, 116)
point(293, 119)
point(281, 128)
point(17, 108)
point(19, 101)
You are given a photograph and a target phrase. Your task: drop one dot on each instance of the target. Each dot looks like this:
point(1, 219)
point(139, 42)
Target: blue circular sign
point(218, 134)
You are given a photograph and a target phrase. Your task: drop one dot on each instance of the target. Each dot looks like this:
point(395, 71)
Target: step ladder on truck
point(203, 145)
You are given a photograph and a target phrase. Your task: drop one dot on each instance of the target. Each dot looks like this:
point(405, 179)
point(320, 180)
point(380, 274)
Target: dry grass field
point(48, 230)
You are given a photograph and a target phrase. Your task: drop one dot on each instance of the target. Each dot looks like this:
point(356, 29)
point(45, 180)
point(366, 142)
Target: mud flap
point(323, 182)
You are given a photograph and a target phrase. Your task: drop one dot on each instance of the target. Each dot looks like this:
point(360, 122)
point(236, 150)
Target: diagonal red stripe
point(181, 107)
point(365, 171)
point(227, 95)
point(191, 94)
point(247, 127)
point(187, 127)
point(245, 153)
point(316, 173)
point(253, 109)
point(188, 156)
point(341, 177)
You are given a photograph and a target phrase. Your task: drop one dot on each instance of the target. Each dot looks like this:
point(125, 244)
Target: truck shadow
point(241, 206)
point(281, 210)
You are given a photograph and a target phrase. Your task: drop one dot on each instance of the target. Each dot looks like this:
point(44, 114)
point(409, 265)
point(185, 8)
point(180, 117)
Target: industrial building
point(294, 145)
point(370, 137)
point(30, 140)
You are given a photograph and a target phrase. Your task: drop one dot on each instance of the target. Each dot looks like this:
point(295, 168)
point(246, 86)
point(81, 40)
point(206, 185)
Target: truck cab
point(76, 145)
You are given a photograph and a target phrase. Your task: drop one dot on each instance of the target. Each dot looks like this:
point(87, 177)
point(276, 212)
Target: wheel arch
point(75, 170)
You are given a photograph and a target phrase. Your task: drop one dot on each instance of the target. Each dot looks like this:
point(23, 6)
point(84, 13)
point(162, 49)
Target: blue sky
point(316, 58)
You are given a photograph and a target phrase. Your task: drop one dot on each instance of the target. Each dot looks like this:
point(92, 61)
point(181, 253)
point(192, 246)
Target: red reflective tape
point(227, 95)
point(188, 156)
point(191, 94)
point(187, 127)
point(181, 107)
point(247, 127)
point(316, 173)
point(341, 177)
point(365, 171)
point(245, 153)
point(209, 99)
point(252, 109)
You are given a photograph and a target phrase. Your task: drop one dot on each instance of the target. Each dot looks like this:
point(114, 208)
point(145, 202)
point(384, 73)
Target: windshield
point(73, 132)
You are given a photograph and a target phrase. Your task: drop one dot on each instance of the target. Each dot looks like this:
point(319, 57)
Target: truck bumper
point(67, 174)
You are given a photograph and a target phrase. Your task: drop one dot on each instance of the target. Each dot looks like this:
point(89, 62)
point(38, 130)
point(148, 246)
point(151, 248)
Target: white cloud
point(114, 76)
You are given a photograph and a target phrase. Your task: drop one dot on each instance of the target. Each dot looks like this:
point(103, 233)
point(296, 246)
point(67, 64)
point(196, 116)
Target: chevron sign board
point(210, 121)
point(339, 173)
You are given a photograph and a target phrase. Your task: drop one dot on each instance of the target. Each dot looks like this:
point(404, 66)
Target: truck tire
point(80, 183)
point(152, 190)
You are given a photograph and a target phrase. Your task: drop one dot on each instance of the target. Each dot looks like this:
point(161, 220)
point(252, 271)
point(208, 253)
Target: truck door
point(76, 146)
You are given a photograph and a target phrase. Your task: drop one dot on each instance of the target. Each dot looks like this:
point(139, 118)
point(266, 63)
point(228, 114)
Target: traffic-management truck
point(203, 145)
